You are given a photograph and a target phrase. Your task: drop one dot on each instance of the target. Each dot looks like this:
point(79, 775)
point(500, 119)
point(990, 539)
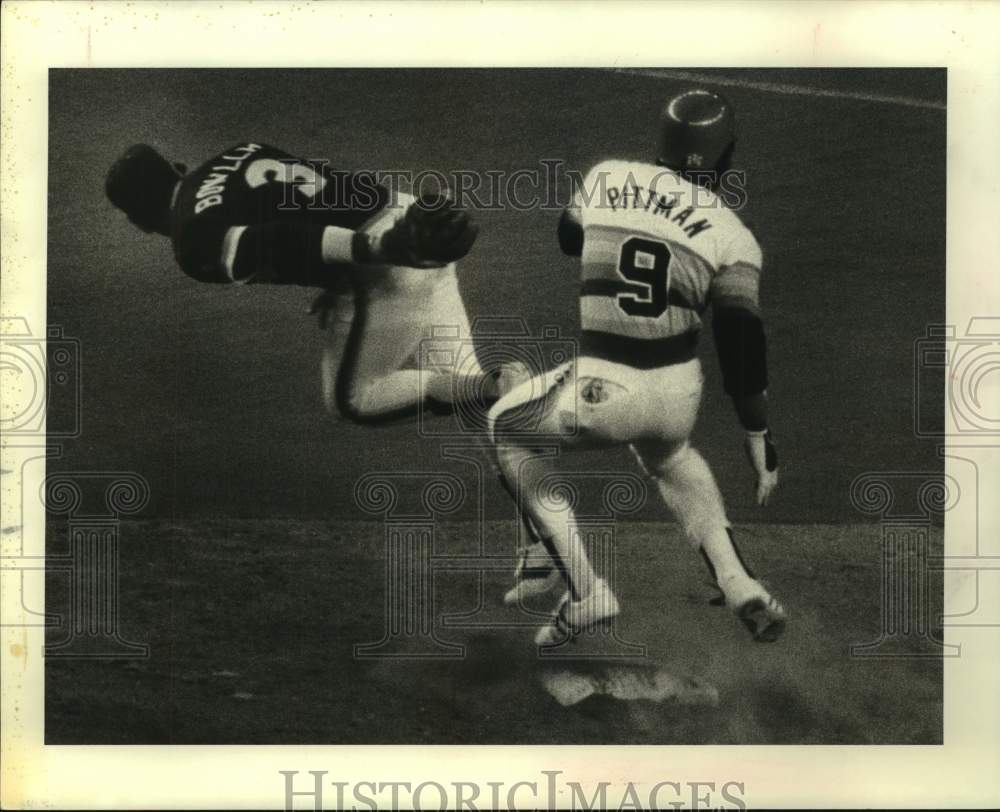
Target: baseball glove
point(433, 232)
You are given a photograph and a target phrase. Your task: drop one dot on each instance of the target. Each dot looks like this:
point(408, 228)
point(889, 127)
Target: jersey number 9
point(645, 264)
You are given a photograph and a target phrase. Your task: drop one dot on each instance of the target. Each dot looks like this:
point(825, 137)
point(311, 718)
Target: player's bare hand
point(433, 232)
point(763, 456)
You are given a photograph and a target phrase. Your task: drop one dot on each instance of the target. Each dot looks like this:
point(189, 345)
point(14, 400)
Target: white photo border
point(37, 36)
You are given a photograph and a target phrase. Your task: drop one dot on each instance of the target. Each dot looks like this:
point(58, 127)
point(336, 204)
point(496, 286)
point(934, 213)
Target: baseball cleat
point(573, 618)
point(535, 574)
point(756, 609)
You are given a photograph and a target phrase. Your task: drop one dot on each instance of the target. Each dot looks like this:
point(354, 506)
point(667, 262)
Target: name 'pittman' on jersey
point(631, 196)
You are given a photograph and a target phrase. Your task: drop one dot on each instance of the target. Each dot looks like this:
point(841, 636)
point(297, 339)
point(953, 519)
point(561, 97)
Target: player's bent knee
point(348, 406)
point(353, 403)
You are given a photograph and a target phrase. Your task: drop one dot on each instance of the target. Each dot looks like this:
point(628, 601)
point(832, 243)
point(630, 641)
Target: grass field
point(253, 572)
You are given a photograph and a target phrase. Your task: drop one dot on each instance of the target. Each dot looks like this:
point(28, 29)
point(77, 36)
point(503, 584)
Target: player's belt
point(640, 353)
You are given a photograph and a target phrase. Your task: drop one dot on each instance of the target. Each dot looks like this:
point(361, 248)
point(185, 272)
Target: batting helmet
point(697, 131)
point(140, 183)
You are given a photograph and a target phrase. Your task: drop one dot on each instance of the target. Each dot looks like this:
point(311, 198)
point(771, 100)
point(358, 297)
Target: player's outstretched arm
point(742, 349)
point(283, 252)
point(303, 253)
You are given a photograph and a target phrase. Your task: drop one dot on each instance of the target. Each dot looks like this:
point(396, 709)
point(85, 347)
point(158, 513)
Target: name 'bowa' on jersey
point(656, 249)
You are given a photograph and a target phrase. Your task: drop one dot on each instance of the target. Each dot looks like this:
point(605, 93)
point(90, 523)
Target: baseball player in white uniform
point(383, 324)
point(255, 214)
point(657, 248)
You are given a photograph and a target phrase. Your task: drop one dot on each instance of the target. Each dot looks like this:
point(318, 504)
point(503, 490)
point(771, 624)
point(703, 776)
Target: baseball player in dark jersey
point(254, 214)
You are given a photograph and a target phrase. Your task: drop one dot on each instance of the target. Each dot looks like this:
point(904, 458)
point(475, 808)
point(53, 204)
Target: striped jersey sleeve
point(737, 281)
